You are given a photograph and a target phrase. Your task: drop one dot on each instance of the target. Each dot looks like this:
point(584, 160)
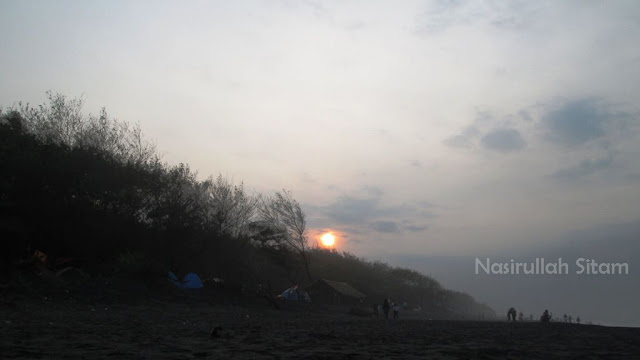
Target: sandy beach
point(178, 325)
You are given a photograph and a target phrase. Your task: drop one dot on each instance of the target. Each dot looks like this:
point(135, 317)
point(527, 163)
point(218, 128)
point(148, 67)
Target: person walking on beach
point(396, 311)
point(511, 314)
point(545, 316)
point(385, 308)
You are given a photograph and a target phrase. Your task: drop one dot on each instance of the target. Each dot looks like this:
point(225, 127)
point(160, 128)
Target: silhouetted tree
point(93, 188)
point(230, 209)
point(284, 214)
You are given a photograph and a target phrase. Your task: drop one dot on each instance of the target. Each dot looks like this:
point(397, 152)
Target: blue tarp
point(189, 281)
point(294, 294)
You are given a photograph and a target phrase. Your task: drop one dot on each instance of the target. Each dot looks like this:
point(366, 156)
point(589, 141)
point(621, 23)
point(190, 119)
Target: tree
point(62, 121)
point(229, 208)
point(284, 214)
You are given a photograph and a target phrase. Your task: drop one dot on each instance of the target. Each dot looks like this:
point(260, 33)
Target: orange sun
point(328, 239)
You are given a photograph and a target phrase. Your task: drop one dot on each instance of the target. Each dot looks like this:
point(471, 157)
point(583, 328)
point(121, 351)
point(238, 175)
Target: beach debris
point(217, 332)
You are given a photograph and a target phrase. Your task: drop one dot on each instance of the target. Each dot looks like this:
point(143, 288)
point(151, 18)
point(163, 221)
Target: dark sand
point(173, 326)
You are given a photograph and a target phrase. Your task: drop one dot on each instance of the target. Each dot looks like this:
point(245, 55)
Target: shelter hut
point(331, 292)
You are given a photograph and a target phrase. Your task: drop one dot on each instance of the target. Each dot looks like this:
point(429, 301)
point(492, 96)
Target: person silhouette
point(511, 314)
point(385, 308)
point(545, 316)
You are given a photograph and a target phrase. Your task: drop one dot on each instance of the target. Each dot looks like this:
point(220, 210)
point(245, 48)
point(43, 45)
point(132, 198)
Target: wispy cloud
point(367, 210)
point(576, 122)
point(441, 15)
point(503, 140)
point(493, 134)
point(583, 169)
point(385, 226)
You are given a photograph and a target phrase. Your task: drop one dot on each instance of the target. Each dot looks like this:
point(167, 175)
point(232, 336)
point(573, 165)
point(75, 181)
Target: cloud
point(365, 209)
point(347, 209)
point(583, 169)
point(577, 122)
point(385, 226)
point(503, 140)
point(465, 139)
point(413, 228)
point(524, 114)
point(444, 14)
point(502, 137)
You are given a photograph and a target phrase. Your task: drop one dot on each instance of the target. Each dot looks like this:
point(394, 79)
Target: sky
point(408, 128)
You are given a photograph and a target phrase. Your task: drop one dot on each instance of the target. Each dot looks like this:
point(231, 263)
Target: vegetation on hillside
point(93, 189)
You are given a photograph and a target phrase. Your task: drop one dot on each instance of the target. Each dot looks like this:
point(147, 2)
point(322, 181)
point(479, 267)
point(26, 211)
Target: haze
point(412, 130)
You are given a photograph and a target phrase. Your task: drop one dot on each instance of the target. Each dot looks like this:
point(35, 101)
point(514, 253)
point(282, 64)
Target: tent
point(189, 281)
point(294, 294)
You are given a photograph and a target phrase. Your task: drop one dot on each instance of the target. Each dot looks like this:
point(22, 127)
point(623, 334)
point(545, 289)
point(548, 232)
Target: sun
point(328, 239)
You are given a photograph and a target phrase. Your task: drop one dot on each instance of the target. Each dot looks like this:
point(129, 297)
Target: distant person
point(396, 311)
point(385, 308)
point(565, 317)
point(521, 316)
point(546, 317)
point(511, 314)
point(578, 320)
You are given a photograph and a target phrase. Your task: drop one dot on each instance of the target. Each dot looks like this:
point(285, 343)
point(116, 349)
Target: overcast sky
point(407, 127)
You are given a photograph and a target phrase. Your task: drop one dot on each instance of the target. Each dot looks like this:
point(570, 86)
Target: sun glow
point(328, 239)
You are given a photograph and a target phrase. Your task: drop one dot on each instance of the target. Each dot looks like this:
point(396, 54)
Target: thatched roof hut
point(334, 293)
